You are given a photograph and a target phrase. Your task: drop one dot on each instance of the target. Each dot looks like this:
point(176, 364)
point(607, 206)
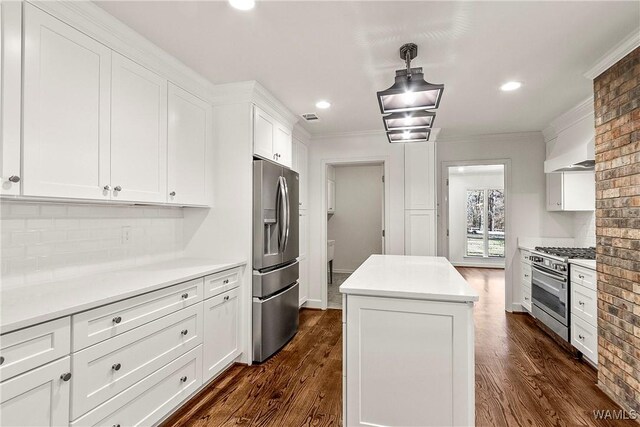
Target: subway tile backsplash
point(584, 228)
point(47, 241)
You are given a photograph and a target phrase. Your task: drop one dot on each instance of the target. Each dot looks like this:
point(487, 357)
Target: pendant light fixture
point(407, 100)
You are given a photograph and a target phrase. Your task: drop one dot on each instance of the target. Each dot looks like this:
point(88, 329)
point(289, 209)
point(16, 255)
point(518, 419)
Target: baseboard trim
point(343, 271)
point(312, 303)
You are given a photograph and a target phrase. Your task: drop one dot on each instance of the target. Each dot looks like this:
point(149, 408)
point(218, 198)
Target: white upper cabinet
point(138, 133)
point(10, 96)
point(190, 135)
point(571, 191)
point(66, 108)
point(300, 165)
point(271, 139)
point(420, 176)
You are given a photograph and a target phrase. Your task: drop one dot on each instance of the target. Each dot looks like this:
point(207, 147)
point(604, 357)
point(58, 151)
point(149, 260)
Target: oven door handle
point(553, 276)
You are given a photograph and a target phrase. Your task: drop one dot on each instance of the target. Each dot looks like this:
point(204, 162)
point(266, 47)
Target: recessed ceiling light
point(510, 86)
point(243, 4)
point(323, 104)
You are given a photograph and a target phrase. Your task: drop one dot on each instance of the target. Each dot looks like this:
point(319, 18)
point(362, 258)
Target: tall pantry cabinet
point(300, 165)
point(420, 201)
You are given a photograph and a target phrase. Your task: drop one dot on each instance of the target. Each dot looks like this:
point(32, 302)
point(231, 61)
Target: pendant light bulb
point(409, 97)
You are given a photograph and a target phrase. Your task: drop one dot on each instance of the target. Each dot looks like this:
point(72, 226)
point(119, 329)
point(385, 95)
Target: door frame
point(354, 161)
point(443, 215)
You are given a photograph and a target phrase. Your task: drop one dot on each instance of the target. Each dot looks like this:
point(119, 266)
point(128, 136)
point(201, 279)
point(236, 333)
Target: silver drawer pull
point(183, 379)
point(172, 194)
point(1, 360)
point(117, 319)
point(116, 367)
point(225, 281)
point(226, 298)
point(185, 295)
point(184, 332)
point(14, 178)
point(117, 188)
point(581, 276)
point(526, 298)
point(581, 302)
point(526, 275)
point(581, 337)
point(116, 425)
point(66, 376)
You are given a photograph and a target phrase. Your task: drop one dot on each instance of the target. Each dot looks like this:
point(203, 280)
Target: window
point(485, 223)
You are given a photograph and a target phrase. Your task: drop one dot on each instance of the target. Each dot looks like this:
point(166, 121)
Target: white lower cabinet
point(525, 279)
point(408, 362)
point(584, 312)
point(105, 369)
point(420, 232)
point(149, 400)
point(39, 397)
point(221, 328)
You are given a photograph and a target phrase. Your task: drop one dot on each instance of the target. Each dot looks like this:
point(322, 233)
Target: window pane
point(495, 222)
point(475, 227)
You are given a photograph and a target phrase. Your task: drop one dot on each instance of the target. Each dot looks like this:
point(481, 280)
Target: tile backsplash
point(584, 228)
point(47, 241)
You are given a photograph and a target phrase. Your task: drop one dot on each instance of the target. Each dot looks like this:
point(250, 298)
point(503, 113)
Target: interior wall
point(356, 225)
point(459, 183)
point(584, 229)
point(526, 193)
point(46, 241)
point(617, 111)
point(326, 150)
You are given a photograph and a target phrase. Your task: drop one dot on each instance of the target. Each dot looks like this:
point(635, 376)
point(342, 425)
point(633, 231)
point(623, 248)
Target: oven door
point(549, 292)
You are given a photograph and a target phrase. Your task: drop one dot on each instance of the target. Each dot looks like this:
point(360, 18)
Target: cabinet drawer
point(147, 401)
point(105, 369)
point(94, 326)
point(583, 276)
point(524, 256)
point(37, 398)
point(31, 347)
point(525, 273)
point(584, 303)
point(584, 337)
point(217, 283)
point(526, 296)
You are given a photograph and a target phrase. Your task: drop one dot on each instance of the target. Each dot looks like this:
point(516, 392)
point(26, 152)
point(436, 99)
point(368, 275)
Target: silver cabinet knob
point(117, 319)
point(184, 332)
point(107, 188)
point(185, 295)
point(225, 281)
point(172, 194)
point(117, 188)
point(1, 360)
point(183, 379)
point(116, 425)
point(581, 337)
point(226, 298)
point(14, 178)
point(65, 376)
point(116, 367)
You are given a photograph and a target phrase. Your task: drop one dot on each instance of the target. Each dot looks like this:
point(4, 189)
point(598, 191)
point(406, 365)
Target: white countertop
point(586, 263)
point(412, 277)
point(28, 305)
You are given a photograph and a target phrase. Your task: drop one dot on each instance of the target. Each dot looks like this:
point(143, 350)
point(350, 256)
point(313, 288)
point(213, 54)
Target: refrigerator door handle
point(288, 214)
point(280, 212)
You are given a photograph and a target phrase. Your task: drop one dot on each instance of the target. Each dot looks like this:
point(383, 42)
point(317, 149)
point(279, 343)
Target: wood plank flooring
point(522, 377)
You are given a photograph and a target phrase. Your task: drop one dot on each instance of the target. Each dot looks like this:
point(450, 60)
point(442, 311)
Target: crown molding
point(512, 137)
point(301, 133)
point(579, 112)
point(621, 50)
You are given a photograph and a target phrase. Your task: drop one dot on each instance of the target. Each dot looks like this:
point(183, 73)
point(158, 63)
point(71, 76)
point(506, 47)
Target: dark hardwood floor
point(522, 377)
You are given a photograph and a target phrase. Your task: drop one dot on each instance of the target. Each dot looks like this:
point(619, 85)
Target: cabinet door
point(67, 78)
point(282, 145)
point(420, 176)
point(579, 191)
point(303, 162)
point(554, 191)
point(331, 196)
point(38, 398)
point(138, 133)
point(263, 131)
point(303, 281)
point(190, 133)
point(420, 232)
point(10, 96)
point(221, 332)
point(303, 227)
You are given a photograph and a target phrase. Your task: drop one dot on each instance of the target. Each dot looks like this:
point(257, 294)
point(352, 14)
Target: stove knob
point(535, 258)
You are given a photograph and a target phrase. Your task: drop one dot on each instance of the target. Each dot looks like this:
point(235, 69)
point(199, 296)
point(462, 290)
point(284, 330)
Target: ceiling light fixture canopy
point(409, 120)
point(412, 135)
point(410, 92)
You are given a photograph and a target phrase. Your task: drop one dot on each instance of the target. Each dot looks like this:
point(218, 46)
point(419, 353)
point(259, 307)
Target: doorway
point(476, 215)
point(355, 220)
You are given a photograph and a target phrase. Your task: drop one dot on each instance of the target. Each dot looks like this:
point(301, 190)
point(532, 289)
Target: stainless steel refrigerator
point(275, 253)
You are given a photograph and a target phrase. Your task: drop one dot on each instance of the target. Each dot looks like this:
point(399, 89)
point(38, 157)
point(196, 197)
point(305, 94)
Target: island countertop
point(409, 277)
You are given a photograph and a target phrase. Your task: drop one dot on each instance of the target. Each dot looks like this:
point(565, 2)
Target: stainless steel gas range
point(550, 285)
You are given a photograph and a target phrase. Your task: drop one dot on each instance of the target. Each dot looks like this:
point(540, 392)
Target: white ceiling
point(345, 51)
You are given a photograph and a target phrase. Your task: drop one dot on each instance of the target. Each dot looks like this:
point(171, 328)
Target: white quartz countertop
point(411, 277)
point(28, 305)
point(586, 263)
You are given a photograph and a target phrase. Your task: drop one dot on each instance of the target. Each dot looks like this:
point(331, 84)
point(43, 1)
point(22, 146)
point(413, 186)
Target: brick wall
point(617, 113)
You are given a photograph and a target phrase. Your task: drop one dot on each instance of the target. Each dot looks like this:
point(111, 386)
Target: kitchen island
point(408, 343)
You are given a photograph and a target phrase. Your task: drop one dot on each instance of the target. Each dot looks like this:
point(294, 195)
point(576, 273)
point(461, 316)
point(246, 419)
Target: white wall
point(459, 183)
point(584, 229)
point(526, 192)
point(326, 150)
point(45, 241)
point(356, 225)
